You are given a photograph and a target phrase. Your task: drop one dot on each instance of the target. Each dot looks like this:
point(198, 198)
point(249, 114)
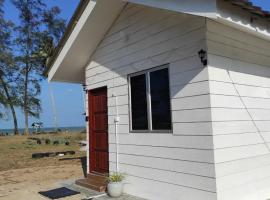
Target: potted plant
point(115, 185)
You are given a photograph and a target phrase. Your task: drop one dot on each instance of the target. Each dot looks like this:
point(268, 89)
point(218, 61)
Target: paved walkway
point(86, 193)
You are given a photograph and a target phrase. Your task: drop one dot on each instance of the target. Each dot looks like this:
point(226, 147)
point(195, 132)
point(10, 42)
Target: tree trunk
point(15, 122)
point(25, 106)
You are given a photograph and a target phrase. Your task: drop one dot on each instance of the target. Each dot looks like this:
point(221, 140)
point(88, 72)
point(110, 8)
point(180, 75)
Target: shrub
point(56, 142)
point(116, 177)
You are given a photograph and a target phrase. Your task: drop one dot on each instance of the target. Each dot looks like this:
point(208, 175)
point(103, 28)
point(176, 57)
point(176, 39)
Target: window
point(150, 100)
point(139, 102)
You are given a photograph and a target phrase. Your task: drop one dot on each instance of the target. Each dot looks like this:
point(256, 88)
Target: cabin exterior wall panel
point(239, 80)
point(133, 45)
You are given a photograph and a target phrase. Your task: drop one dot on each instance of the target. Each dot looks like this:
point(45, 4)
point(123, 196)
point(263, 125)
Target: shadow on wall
point(185, 68)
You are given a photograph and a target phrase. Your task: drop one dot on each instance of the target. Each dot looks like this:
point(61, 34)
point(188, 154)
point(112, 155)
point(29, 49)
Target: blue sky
point(262, 3)
point(68, 97)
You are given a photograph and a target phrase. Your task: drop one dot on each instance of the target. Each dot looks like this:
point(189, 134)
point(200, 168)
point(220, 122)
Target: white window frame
point(148, 97)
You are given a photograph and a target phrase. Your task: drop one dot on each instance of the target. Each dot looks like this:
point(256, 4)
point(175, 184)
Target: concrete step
point(97, 177)
point(94, 182)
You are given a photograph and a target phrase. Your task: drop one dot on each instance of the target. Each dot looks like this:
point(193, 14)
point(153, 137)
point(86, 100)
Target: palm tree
point(7, 69)
point(6, 99)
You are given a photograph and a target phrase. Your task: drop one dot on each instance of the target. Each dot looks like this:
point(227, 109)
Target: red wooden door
point(98, 130)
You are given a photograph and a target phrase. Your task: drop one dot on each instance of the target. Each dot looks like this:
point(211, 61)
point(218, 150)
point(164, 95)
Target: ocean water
point(47, 129)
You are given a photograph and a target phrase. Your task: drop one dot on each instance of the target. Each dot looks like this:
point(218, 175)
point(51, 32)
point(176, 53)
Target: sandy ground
point(24, 184)
point(21, 177)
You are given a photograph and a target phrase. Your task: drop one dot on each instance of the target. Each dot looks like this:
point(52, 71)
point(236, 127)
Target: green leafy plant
point(116, 177)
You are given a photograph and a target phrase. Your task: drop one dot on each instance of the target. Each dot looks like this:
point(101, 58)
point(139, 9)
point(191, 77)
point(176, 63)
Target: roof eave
point(234, 16)
point(73, 55)
point(72, 23)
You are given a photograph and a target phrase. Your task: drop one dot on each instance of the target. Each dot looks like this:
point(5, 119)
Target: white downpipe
point(116, 120)
point(53, 107)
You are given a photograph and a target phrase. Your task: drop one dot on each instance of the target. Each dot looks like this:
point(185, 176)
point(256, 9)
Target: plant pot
point(115, 189)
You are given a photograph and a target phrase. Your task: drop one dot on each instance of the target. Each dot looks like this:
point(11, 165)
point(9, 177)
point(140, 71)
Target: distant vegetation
point(24, 49)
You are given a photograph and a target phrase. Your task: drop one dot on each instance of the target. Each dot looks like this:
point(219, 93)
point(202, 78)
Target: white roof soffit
point(205, 8)
point(240, 19)
point(69, 64)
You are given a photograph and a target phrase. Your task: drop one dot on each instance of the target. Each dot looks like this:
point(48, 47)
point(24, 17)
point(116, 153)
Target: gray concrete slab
point(86, 193)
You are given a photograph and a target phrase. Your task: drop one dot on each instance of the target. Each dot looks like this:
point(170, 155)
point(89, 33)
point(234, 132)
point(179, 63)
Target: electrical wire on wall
point(250, 115)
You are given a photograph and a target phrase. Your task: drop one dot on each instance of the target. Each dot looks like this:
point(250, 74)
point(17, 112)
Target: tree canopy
point(24, 49)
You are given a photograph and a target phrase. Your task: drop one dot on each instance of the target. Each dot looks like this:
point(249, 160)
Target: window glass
point(160, 100)
point(139, 102)
point(150, 100)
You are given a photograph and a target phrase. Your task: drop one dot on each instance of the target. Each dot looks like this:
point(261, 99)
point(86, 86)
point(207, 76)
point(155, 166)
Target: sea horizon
point(45, 129)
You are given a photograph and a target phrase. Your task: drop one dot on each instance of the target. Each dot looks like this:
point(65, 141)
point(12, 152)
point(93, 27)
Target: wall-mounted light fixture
point(203, 56)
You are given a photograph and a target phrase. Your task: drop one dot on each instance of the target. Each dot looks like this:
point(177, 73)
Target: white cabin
point(180, 126)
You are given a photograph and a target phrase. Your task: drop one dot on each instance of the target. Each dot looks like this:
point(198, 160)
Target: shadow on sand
point(83, 163)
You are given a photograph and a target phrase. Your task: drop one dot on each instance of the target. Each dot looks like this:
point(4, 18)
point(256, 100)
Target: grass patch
point(16, 151)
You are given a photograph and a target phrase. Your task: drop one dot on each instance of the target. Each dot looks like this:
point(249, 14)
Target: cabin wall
point(239, 80)
point(177, 165)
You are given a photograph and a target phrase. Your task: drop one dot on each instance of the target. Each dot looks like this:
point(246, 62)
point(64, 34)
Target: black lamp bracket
point(203, 56)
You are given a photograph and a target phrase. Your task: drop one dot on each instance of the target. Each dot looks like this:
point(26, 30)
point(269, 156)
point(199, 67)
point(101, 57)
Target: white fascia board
point(205, 8)
point(238, 18)
point(254, 30)
point(71, 39)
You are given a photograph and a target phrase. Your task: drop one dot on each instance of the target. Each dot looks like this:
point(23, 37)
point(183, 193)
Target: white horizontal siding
point(255, 190)
point(196, 115)
point(231, 127)
point(164, 140)
point(222, 40)
point(165, 164)
point(188, 90)
point(143, 38)
point(171, 191)
point(228, 114)
point(129, 66)
point(222, 101)
point(247, 164)
point(163, 45)
point(239, 80)
point(241, 152)
point(165, 30)
point(172, 153)
point(192, 102)
point(150, 19)
point(235, 140)
point(204, 102)
point(197, 128)
point(257, 103)
point(246, 177)
point(190, 181)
